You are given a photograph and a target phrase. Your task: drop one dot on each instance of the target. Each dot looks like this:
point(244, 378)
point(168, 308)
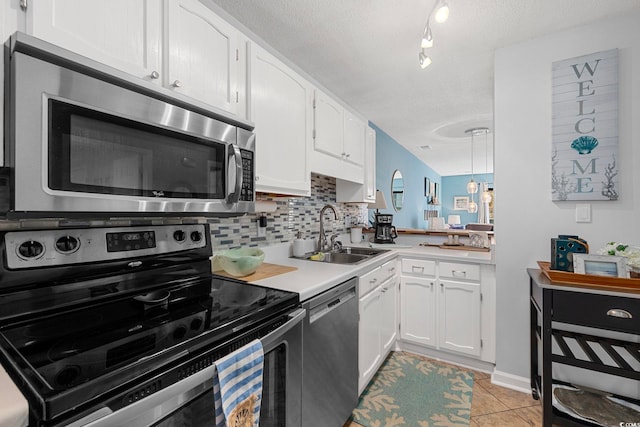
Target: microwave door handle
point(234, 197)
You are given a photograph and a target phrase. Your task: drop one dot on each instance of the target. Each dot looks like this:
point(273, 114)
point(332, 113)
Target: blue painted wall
point(391, 156)
point(457, 186)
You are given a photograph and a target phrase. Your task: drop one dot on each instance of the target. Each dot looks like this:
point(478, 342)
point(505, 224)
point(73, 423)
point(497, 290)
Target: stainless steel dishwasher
point(330, 357)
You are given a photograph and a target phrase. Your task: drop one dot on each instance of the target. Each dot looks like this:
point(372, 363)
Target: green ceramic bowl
point(238, 262)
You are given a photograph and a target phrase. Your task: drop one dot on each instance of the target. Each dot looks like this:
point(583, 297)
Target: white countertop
point(14, 409)
point(312, 278)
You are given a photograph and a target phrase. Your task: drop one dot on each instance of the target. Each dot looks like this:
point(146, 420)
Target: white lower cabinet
point(377, 328)
point(388, 314)
point(369, 337)
point(459, 317)
point(418, 310)
point(448, 306)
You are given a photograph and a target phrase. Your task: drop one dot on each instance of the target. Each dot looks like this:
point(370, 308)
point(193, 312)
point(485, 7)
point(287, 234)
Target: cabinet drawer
point(419, 266)
point(368, 281)
point(388, 269)
point(598, 311)
point(460, 271)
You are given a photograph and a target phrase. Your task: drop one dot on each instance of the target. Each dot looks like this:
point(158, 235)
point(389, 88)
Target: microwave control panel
point(247, 193)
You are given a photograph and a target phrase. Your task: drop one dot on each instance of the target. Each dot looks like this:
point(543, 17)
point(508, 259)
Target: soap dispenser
point(298, 246)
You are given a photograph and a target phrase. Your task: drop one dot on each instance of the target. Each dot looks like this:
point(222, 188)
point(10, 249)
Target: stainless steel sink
point(343, 258)
point(346, 255)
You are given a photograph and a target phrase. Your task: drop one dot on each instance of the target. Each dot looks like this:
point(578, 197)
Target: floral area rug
point(409, 390)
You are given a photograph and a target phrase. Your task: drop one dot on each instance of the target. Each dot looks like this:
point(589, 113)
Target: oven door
point(190, 401)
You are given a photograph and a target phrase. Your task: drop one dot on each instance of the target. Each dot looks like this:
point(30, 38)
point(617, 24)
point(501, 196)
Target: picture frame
point(427, 189)
point(460, 203)
point(600, 265)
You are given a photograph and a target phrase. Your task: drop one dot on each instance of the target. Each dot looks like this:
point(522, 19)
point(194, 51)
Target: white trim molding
point(511, 381)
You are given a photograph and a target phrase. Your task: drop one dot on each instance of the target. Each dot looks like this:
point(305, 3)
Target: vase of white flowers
point(631, 253)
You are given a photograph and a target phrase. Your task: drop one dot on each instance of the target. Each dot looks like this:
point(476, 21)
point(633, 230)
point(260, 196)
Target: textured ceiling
point(366, 53)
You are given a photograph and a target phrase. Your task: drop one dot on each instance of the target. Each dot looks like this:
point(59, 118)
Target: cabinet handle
point(154, 75)
point(431, 283)
point(176, 83)
point(383, 290)
point(454, 272)
point(373, 280)
point(618, 312)
point(415, 268)
point(392, 270)
point(347, 155)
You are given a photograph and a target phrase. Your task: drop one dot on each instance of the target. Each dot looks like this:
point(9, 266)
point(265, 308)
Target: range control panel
point(46, 248)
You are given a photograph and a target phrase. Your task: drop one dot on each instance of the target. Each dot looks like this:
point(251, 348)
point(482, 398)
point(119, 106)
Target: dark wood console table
point(552, 307)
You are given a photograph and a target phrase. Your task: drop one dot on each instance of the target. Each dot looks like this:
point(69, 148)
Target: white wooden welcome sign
point(584, 160)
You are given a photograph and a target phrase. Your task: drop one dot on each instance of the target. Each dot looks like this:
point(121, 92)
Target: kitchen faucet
point(322, 239)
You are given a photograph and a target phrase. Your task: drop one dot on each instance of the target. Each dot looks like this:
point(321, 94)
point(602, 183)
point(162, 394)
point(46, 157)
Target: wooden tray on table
point(591, 281)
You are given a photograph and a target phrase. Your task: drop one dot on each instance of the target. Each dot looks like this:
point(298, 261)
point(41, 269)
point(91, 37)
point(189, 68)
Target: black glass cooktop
point(91, 349)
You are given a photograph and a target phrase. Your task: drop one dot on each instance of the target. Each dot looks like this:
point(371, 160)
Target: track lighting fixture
point(424, 60)
point(440, 13)
point(427, 38)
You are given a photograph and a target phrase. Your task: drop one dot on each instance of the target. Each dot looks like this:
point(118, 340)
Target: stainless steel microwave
point(84, 138)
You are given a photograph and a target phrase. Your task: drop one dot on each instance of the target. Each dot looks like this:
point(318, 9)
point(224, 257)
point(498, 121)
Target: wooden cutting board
point(264, 271)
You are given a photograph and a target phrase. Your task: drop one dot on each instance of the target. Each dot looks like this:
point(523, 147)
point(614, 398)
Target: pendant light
point(486, 195)
point(472, 186)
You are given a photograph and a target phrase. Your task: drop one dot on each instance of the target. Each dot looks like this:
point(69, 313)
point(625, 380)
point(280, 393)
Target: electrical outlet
point(262, 231)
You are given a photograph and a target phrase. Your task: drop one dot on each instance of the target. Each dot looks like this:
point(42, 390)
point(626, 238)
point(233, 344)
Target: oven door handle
point(176, 394)
point(272, 339)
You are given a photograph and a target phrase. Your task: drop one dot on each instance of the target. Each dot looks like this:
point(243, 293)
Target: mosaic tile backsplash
point(293, 215)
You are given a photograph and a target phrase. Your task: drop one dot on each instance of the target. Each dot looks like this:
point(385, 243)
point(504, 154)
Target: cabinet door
point(124, 34)
point(388, 315)
point(328, 121)
point(418, 310)
point(370, 166)
point(354, 138)
point(202, 54)
point(368, 337)
point(459, 319)
point(281, 108)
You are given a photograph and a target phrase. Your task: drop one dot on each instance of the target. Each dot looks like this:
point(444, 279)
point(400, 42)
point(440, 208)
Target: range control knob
point(196, 236)
point(179, 235)
point(31, 249)
point(67, 244)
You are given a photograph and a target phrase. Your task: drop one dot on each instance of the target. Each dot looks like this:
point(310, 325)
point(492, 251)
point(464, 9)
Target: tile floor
point(497, 406)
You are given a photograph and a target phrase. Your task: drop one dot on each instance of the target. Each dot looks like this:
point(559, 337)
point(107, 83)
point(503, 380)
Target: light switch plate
point(583, 213)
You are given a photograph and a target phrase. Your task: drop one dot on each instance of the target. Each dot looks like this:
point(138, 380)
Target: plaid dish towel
point(237, 386)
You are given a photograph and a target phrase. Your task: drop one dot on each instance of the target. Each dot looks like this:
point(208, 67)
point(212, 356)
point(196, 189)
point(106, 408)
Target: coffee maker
point(385, 231)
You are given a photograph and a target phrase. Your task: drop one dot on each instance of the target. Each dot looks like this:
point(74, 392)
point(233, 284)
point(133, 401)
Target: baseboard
point(460, 360)
point(511, 381)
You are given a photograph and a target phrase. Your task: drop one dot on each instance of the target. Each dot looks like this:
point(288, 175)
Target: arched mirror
point(397, 190)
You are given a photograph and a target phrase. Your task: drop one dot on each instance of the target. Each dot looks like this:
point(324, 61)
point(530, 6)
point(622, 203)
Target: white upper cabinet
point(124, 34)
point(339, 137)
point(179, 44)
point(281, 108)
point(203, 55)
point(329, 118)
point(348, 191)
point(354, 139)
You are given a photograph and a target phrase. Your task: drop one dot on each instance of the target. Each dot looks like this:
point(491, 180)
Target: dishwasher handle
point(322, 310)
